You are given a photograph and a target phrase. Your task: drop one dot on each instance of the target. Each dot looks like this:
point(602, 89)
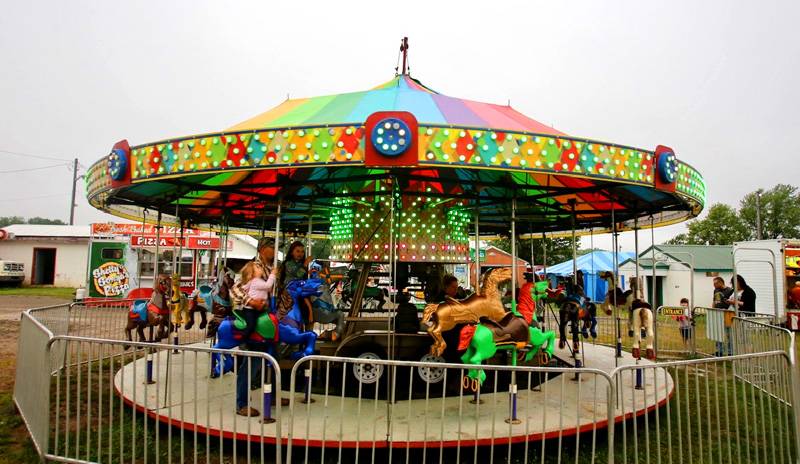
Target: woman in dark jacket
point(747, 300)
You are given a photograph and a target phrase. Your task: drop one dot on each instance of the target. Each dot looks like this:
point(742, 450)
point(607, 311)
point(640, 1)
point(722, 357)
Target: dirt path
point(10, 309)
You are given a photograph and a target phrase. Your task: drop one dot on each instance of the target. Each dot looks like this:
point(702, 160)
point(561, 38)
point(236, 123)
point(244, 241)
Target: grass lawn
point(39, 290)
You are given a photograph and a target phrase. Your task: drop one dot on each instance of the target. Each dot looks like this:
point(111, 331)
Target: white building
point(52, 255)
point(58, 254)
point(674, 278)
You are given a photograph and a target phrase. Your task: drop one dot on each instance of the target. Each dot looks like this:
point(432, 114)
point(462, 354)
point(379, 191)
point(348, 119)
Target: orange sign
point(110, 228)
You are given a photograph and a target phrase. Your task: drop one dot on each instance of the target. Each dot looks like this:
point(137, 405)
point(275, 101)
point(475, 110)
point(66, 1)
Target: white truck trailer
point(772, 269)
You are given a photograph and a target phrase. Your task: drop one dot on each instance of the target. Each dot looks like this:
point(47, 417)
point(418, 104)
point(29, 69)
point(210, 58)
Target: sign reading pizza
point(189, 243)
point(111, 279)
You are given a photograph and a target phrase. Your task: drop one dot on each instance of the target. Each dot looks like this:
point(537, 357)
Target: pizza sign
point(111, 279)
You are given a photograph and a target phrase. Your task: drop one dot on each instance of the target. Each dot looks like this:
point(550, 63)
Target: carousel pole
point(267, 388)
point(653, 282)
point(178, 274)
point(177, 249)
point(544, 271)
point(639, 372)
point(477, 252)
point(574, 245)
point(513, 387)
point(310, 225)
point(390, 393)
point(158, 240)
point(514, 254)
point(616, 282)
point(476, 399)
point(575, 349)
point(139, 253)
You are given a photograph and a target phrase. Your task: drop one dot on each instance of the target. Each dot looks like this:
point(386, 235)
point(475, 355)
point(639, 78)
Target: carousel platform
point(184, 396)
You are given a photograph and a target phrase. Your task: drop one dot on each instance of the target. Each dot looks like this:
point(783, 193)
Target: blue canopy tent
point(591, 264)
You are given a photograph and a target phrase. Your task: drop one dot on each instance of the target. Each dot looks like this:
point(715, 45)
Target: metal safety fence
point(89, 399)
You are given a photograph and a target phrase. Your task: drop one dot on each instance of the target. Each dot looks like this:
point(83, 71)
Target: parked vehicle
point(11, 272)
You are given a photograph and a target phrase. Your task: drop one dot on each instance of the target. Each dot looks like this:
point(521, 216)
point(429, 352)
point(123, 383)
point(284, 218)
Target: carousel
point(403, 182)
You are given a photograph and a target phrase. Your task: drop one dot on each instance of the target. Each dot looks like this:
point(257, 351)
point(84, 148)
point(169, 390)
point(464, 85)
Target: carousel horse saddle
point(509, 329)
point(139, 310)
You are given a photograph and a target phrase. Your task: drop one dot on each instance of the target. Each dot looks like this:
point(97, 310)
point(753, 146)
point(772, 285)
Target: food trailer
point(122, 257)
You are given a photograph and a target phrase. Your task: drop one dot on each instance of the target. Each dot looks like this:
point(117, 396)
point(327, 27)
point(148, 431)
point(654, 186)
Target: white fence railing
point(85, 398)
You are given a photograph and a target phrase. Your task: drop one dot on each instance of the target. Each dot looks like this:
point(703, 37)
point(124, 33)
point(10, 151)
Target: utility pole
point(758, 214)
point(72, 200)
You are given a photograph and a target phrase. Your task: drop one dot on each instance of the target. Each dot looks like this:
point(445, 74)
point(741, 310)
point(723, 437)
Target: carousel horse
point(152, 313)
point(574, 309)
point(199, 302)
point(511, 333)
point(322, 306)
point(441, 317)
point(178, 303)
point(615, 297)
point(290, 327)
point(215, 300)
point(640, 314)
point(350, 286)
point(229, 336)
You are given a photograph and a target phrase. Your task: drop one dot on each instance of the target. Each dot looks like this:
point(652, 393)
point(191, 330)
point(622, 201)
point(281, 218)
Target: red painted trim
point(395, 444)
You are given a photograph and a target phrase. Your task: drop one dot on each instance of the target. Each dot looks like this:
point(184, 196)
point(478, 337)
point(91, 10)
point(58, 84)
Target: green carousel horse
point(512, 333)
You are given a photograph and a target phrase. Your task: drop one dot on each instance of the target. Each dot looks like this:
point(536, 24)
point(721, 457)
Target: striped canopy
point(403, 93)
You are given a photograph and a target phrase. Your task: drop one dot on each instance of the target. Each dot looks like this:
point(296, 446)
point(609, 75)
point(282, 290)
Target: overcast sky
point(717, 81)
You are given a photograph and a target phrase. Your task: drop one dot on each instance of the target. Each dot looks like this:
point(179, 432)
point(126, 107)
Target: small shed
point(674, 275)
point(591, 265)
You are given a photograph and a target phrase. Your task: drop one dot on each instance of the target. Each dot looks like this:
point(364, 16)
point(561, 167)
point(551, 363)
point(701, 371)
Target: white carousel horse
point(640, 314)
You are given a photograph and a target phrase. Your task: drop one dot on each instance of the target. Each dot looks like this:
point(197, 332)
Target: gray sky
point(717, 81)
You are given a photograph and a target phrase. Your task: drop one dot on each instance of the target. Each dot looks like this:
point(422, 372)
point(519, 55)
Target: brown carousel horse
point(217, 301)
point(152, 313)
point(441, 317)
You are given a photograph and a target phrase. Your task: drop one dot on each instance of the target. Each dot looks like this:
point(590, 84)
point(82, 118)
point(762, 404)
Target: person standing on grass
point(746, 298)
point(720, 301)
point(685, 322)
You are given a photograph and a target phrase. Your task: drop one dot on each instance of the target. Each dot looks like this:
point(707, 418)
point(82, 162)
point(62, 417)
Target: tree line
point(11, 220)
point(778, 214)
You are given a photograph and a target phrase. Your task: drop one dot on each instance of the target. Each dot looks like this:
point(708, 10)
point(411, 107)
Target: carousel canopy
point(338, 159)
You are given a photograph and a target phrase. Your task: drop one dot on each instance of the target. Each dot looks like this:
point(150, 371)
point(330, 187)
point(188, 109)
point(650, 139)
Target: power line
point(30, 155)
point(32, 169)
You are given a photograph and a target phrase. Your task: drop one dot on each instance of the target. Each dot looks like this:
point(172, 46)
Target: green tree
point(10, 220)
point(45, 221)
point(722, 226)
point(780, 212)
point(558, 249)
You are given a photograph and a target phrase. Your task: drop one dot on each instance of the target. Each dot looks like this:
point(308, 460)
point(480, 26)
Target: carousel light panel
point(425, 229)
